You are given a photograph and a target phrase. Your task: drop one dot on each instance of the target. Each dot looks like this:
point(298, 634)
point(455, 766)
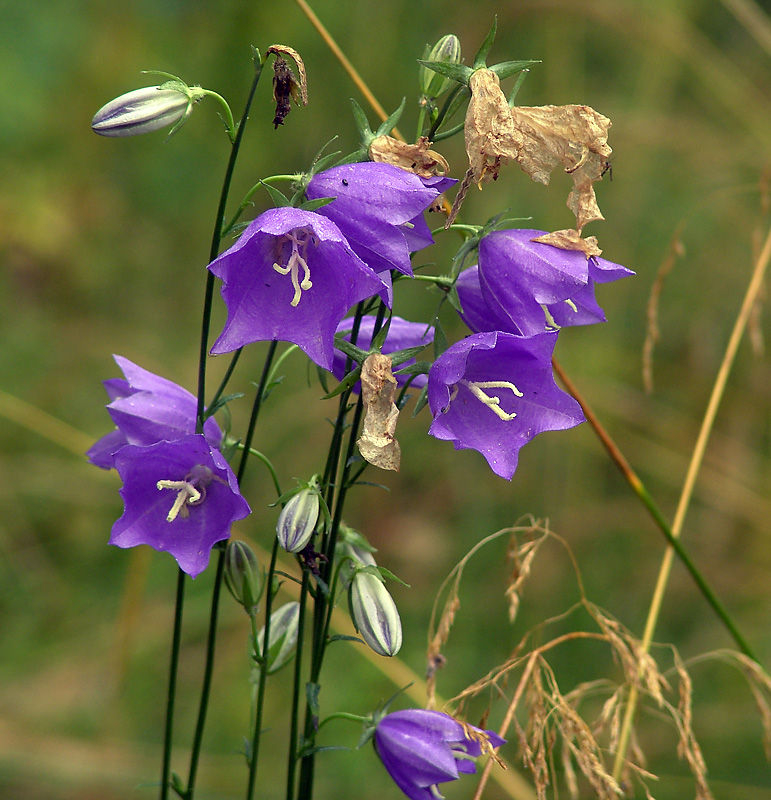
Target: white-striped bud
point(145, 110)
point(374, 614)
point(297, 520)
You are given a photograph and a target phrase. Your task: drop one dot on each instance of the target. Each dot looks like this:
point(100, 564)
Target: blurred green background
point(103, 244)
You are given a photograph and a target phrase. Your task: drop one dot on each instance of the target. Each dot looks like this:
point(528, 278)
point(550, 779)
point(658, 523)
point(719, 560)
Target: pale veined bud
point(243, 576)
point(282, 638)
point(297, 520)
point(447, 49)
point(145, 110)
point(374, 614)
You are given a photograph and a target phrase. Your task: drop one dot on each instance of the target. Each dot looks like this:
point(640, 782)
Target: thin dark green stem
point(174, 663)
point(260, 701)
point(215, 248)
point(208, 672)
point(256, 406)
point(297, 690)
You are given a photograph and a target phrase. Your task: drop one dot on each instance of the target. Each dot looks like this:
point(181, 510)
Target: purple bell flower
point(422, 748)
point(180, 497)
point(147, 409)
point(401, 335)
point(291, 277)
point(494, 391)
point(379, 208)
point(519, 278)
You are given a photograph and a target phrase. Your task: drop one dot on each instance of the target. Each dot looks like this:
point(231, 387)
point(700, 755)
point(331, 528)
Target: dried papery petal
point(575, 137)
point(377, 443)
point(571, 240)
point(417, 158)
point(492, 138)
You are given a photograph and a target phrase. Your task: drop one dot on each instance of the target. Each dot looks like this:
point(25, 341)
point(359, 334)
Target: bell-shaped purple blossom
point(494, 391)
point(402, 334)
point(528, 286)
point(180, 497)
point(146, 409)
point(422, 748)
point(379, 208)
point(291, 277)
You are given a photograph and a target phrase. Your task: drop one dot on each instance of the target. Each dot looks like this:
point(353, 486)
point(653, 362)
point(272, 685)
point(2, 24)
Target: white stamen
point(493, 402)
point(297, 262)
point(572, 305)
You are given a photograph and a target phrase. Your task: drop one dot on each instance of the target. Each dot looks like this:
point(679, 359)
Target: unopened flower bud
point(375, 614)
point(282, 637)
point(447, 49)
point(145, 110)
point(297, 520)
point(243, 576)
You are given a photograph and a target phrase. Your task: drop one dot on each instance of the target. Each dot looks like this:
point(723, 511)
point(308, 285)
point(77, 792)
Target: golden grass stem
point(345, 63)
point(750, 297)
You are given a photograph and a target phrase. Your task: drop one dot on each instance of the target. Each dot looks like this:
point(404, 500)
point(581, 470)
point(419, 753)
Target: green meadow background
point(103, 245)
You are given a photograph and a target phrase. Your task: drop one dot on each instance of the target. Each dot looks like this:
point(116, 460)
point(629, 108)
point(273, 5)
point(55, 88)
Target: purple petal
point(259, 298)
point(188, 538)
point(527, 395)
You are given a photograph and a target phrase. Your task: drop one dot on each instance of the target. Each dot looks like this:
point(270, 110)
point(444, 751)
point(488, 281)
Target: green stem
point(230, 125)
point(215, 247)
point(297, 689)
point(208, 672)
point(172, 689)
point(260, 701)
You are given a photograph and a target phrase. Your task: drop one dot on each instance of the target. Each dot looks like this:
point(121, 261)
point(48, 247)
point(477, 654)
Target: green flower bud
point(297, 520)
point(447, 49)
point(374, 614)
point(145, 110)
point(283, 637)
point(243, 575)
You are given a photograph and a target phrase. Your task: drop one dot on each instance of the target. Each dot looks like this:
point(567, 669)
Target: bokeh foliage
point(103, 245)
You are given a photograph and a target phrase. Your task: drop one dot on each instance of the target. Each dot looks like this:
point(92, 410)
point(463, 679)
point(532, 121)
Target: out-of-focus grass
point(103, 245)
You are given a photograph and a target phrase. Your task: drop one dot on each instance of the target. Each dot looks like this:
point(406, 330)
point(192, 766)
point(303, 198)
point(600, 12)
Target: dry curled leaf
point(417, 158)
point(571, 240)
point(377, 443)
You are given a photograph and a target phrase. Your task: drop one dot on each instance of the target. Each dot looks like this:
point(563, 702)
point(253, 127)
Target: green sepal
point(385, 128)
point(314, 205)
point(456, 72)
point(507, 68)
point(349, 349)
point(421, 402)
point(312, 691)
point(480, 59)
point(280, 200)
point(440, 339)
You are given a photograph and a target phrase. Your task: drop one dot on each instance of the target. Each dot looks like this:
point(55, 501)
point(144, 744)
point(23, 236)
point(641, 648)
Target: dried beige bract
point(377, 443)
point(539, 139)
point(417, 158)
point(571, 240)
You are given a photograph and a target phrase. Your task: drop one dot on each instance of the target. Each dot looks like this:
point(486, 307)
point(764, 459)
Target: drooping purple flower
point(422, 748)
point(179, 497)
point(494, 391)
point(379, 208)
point(146, 409)
point(402, 334)
point(291, 277)
point(519, 277)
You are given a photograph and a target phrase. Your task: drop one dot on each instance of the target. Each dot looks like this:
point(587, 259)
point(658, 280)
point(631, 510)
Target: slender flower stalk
point(750, 298)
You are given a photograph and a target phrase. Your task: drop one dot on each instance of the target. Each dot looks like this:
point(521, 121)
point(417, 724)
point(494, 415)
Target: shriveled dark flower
point(379, 208)
point(493, 392)
point(180, 497)
point(422, 748)
point(291, 277)
point(146, 409)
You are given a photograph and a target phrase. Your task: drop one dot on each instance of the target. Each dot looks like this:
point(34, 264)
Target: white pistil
point(187, 495)
point(295, 263)
point(493, 402)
